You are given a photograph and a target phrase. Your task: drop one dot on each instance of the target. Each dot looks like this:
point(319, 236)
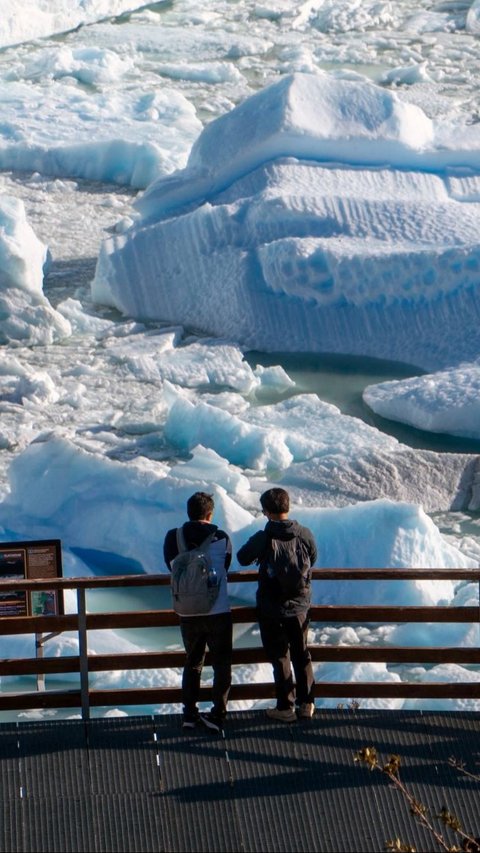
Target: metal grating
point(53, 759)
point(196, 784)
point(56, 825)
point(122, 755)
point(9, 763)
point(128, 823)
point(141, 784)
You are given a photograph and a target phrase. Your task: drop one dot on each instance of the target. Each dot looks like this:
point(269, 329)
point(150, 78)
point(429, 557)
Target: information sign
point(41, 558)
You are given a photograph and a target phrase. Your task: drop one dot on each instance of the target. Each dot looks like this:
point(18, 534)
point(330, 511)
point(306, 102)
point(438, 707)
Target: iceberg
point(320, 215)
point(26, 315)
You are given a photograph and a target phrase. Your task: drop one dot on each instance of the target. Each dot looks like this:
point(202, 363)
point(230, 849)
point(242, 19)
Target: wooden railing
point(81, 622)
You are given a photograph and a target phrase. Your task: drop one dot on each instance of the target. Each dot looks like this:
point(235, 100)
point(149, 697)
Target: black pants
point(198, 633)
point(285, 643)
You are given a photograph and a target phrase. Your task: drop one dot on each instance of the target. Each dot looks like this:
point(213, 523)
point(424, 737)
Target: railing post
point(83, 652)
point(39, 654)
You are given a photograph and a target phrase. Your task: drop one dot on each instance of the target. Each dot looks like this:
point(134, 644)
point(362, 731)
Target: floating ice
point(447, 401)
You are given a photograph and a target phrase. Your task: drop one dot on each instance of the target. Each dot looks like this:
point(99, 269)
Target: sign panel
point(41, 558)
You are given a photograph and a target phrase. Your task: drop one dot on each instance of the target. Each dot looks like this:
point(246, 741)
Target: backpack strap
point(269, 555)
point(268, 544)
point(181, 544)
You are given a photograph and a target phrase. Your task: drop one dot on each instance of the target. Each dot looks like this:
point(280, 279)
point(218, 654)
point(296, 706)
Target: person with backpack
point(198, 555)
point(285, 551)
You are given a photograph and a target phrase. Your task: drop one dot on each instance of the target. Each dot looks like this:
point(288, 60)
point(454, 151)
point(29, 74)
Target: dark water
point(341, 380)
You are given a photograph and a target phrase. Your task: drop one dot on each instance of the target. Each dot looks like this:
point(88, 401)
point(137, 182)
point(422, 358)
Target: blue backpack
point(194, 581)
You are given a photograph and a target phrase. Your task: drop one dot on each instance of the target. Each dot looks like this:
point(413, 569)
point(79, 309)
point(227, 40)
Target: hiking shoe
point(210, 721)
point(286, 716)
point(306, 710)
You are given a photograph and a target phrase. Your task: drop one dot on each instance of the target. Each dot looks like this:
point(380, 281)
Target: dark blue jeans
point(285, 643)
point(198, 633)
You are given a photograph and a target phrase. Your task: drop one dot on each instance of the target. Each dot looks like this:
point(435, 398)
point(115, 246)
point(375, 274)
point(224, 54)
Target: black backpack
point(288, 562)
point(193, 593)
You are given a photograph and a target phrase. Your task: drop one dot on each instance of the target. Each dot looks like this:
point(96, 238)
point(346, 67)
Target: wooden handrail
point(238, 576)
point(244, 655)
point(241, 615)
point(82, 622)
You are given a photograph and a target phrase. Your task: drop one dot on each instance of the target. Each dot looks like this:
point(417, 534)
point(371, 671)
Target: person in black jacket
point(283, 621)
point(214, 629)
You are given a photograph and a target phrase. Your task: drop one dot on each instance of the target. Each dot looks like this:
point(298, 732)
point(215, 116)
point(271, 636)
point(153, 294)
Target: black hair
point(276, 501)
point(199, 506)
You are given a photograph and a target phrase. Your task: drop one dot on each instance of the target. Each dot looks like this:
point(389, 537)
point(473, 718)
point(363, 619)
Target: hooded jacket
point(270, 601)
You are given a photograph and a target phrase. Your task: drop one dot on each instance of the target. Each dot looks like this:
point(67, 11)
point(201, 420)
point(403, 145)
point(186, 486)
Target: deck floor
point(141, 784)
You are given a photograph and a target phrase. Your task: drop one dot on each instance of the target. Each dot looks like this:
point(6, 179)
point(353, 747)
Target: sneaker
point(306, 710)
point(287, 716)
point(215, 724)
point(190, 721)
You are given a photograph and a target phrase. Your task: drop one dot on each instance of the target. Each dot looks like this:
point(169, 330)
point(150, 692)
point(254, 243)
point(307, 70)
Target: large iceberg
point(321, 215)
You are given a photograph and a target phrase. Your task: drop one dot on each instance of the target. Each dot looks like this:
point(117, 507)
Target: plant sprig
point(369, 757)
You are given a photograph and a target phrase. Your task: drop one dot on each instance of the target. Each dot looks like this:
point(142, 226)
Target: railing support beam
point(83, 653)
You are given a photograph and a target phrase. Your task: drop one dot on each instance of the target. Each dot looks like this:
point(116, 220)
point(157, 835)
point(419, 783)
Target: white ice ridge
point(126, 509)
point(23, 20)
point(320, 215)
point(26, 316)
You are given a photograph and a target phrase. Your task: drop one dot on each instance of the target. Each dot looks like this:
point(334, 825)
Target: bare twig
point(368, 756)
point(460, 766)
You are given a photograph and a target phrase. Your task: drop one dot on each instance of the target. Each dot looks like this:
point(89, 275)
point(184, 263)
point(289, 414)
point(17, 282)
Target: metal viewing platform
point(125, 784)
